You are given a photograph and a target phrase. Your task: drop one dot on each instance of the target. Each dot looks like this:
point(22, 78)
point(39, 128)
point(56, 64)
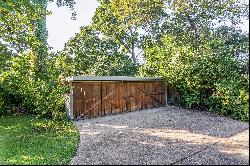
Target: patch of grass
point(25, 139)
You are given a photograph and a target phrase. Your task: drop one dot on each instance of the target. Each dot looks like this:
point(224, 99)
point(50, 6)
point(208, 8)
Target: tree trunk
point(132, 46)
point(193, 27)
point(41, 34)
point(133, 53)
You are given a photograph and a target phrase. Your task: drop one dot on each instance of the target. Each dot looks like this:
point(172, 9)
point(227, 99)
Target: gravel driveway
point(166, 135)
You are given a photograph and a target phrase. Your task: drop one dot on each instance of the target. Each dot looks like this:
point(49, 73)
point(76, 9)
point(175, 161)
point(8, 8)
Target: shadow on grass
point(21, 144)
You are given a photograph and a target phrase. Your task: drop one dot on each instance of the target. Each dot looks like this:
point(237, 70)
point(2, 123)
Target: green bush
point(207, 77)
point(20, 87)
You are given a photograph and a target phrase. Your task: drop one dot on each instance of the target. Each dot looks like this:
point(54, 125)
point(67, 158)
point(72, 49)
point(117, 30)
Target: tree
point(23, 28)
point(17, 30)
point(123, 21)
point(197, 18)
point(23, 54)
point(209, 76)
point(41, 33)
point(206, 63)
point(89, 54)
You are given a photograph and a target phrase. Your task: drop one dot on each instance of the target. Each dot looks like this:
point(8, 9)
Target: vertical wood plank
point(141, 95)
point(131, 96)
point(103, 100)
point(134, 97)
point(100, 98)
point(108, 111)
point(89, 92)
point(92, 100)
point(113, 98)
point(83, 86)
point(93, 103)
point(116, 98)
point(146, 95)
point(108, 86)
point(138, 94)
point(126, 96)
point(96, 90)
point(80, 98)
point(86, 101)
point(118, 88)
point(155, 93)
point(158, 96)
point(163, 94)
point(74, 100)
point(92, 106)
point(149, 94)
point(120, 98)
point(123, 95)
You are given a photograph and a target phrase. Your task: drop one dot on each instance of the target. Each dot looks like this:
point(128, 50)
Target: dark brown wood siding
point(93, 99)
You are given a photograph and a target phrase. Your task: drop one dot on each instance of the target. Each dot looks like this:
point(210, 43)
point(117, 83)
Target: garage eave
point(111, 78)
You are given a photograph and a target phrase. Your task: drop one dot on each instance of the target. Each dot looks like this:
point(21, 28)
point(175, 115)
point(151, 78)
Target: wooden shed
point(93, 96)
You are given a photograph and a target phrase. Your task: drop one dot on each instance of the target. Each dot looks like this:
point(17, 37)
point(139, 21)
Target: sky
point(61, 27)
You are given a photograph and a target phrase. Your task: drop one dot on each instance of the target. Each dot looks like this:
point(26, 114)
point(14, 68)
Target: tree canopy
point(195, 45)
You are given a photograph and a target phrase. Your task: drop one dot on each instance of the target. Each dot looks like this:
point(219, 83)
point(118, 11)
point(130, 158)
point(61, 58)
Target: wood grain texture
point(93, 99)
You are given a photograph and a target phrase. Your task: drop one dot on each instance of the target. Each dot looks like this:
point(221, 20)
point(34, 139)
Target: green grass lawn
point(27, 140)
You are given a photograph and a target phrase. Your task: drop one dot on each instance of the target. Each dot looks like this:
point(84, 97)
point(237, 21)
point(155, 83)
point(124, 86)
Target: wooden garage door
point(92, 99)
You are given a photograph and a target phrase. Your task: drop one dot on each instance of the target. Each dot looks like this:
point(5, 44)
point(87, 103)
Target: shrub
point(21, 87)
point(208, 77)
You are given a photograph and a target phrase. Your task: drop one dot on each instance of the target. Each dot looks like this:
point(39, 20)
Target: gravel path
point(166, 135)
